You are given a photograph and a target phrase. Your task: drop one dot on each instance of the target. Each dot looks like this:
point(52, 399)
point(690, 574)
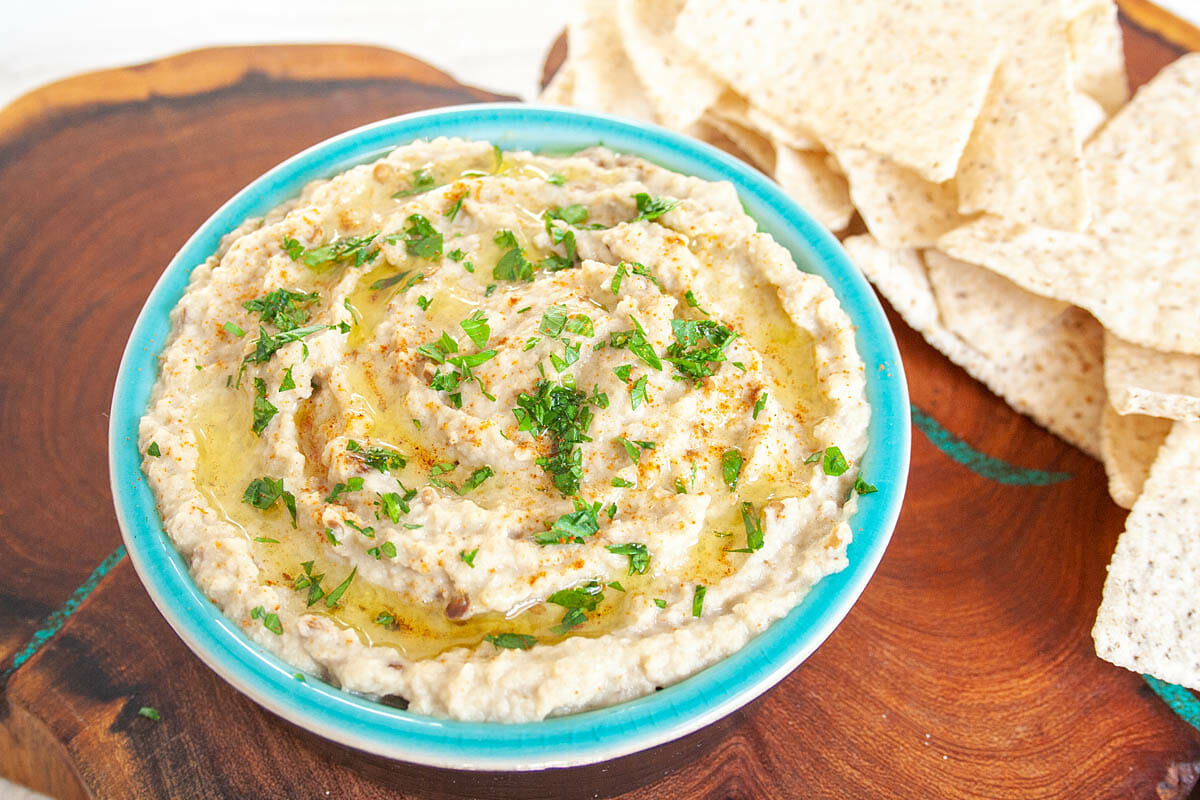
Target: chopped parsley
point(421, 239)
point(386, 619)
point(263, 410)
point(264, 492)
point(421, 182)
point(287, 383)
point(268, 343)
point(512, 266)
point(639, 556)
point(269, 621)
point(616, 585)
point(680, 487)
point(357, 250)
point(382, 459)
point(834, 463)
point(292, 247)
point(368, 531)
point(577, 601)
point(731, 468)
point(153, 450)
point(233, 328)
point(476, 479)
point(651, 208)
point(306, 580)
point(658, 601)
point(635, 341)
point(698, 345)
point(621, 483)
point(618, 275)
point(394, 504)
point(698, 600)
point(862, 487)
point(512, 641)
point(387, 283)
point(354, 484)
point(554, 319)
point(469, 558)
point(570, 528)
point(563, 413)
point(752, 522)
point(634, 448)
point(149, 712)
point(283, 308)
point(386, 549)
point(556, 179)
point(423, 302)
point(456, 255)
point(476, 327)
point(454, 209)
point(332, 598)
point(692, 302)
point(574, 214)
point(266, 540)
point(759, 405)
point(638, 395)
point(623, 371)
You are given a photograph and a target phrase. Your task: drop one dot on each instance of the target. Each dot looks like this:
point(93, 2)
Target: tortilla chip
point(993, 314)
point(1023, 161)
point(1098, 54)
point(900, 208)
point(1057, 379)
point(679, 87)
point(808, 63)
point(1129, 445)
point(1144, 381)
point(1087, 114)
point(560, 91)
point(753, 143)
point(1137, 268)
point(807, 179)
point(604, 76)
point(732, 106)
point(710, 135)
point(1148, 619)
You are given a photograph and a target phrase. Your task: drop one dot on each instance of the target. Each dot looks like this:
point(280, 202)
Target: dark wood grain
point(966, 669)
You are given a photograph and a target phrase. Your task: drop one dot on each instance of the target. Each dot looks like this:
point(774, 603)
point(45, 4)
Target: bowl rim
point(577, 739)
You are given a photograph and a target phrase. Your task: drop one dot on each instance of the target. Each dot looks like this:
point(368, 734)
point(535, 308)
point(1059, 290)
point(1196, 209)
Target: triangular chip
point(1058, 378)
point(752, 142)
point(1137, 267)
point(857, 73)
point(604, 76)
point(992, 313)
point(679, 88)
point(1149, 620)
point(1145, 381)
point(1098, 54)
point(1023, 161)
point(560, 91)
point(808, 180)
point(901, 208)
point(1129, 445)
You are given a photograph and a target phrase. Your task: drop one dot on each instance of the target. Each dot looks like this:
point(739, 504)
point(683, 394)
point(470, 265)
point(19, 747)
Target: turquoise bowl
point(578, 739)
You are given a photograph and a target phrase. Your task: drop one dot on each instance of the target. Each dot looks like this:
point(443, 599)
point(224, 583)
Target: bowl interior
point(581, 738)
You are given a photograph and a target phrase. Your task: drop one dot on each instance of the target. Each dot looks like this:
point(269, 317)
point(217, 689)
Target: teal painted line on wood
point(991, 468)
point(1181, 701)
point(55, 621)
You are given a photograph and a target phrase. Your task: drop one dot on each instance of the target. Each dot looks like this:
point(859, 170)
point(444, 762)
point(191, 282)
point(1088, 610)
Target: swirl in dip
point(506, 435)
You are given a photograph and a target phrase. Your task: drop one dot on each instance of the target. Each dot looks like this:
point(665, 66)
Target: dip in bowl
point(519, 440)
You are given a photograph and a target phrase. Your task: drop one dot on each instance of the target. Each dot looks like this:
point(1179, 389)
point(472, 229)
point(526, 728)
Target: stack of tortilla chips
point(1030, 220)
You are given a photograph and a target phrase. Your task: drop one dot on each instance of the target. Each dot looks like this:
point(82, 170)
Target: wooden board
point(965, 670)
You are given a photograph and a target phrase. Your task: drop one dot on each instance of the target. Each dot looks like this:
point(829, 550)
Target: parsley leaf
point(759, 405)
point(476, 327)
point(153, 450)
point(149, 712)
point(638, 395)
point(264, 411)
point(698, 345)
point(262, 493)
point(283, 308)
point(287, 382)
point(752, 522)
point(731, 468)
point(332, 598)
point(651, 208)
point(234, 329)
point(469, 558)
point(698, 600)
point(564, 414)
point(621, 483)
point(835, 463)
point(422, 182)
point(635, 340)
point(454, 209)
point(691, 300)
point(862, 487)
point(639, 556)
point(355, 249)
point(572, 527)
point(556, 179)
point(382, 459)
point(512, 641)
point(421, 238)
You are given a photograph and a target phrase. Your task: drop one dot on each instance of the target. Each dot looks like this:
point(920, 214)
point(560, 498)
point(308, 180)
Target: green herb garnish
point(698, 600)
point(512, 641)
point(651, 208)
point(263, 410)
point(639, 556)
point(469, 558)
point(731, 468)
point(153, 450)
point(422, 182)
point(262, 493)
point(421, 238)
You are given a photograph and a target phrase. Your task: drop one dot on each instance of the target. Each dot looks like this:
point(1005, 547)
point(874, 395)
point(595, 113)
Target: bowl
point(581, 738)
